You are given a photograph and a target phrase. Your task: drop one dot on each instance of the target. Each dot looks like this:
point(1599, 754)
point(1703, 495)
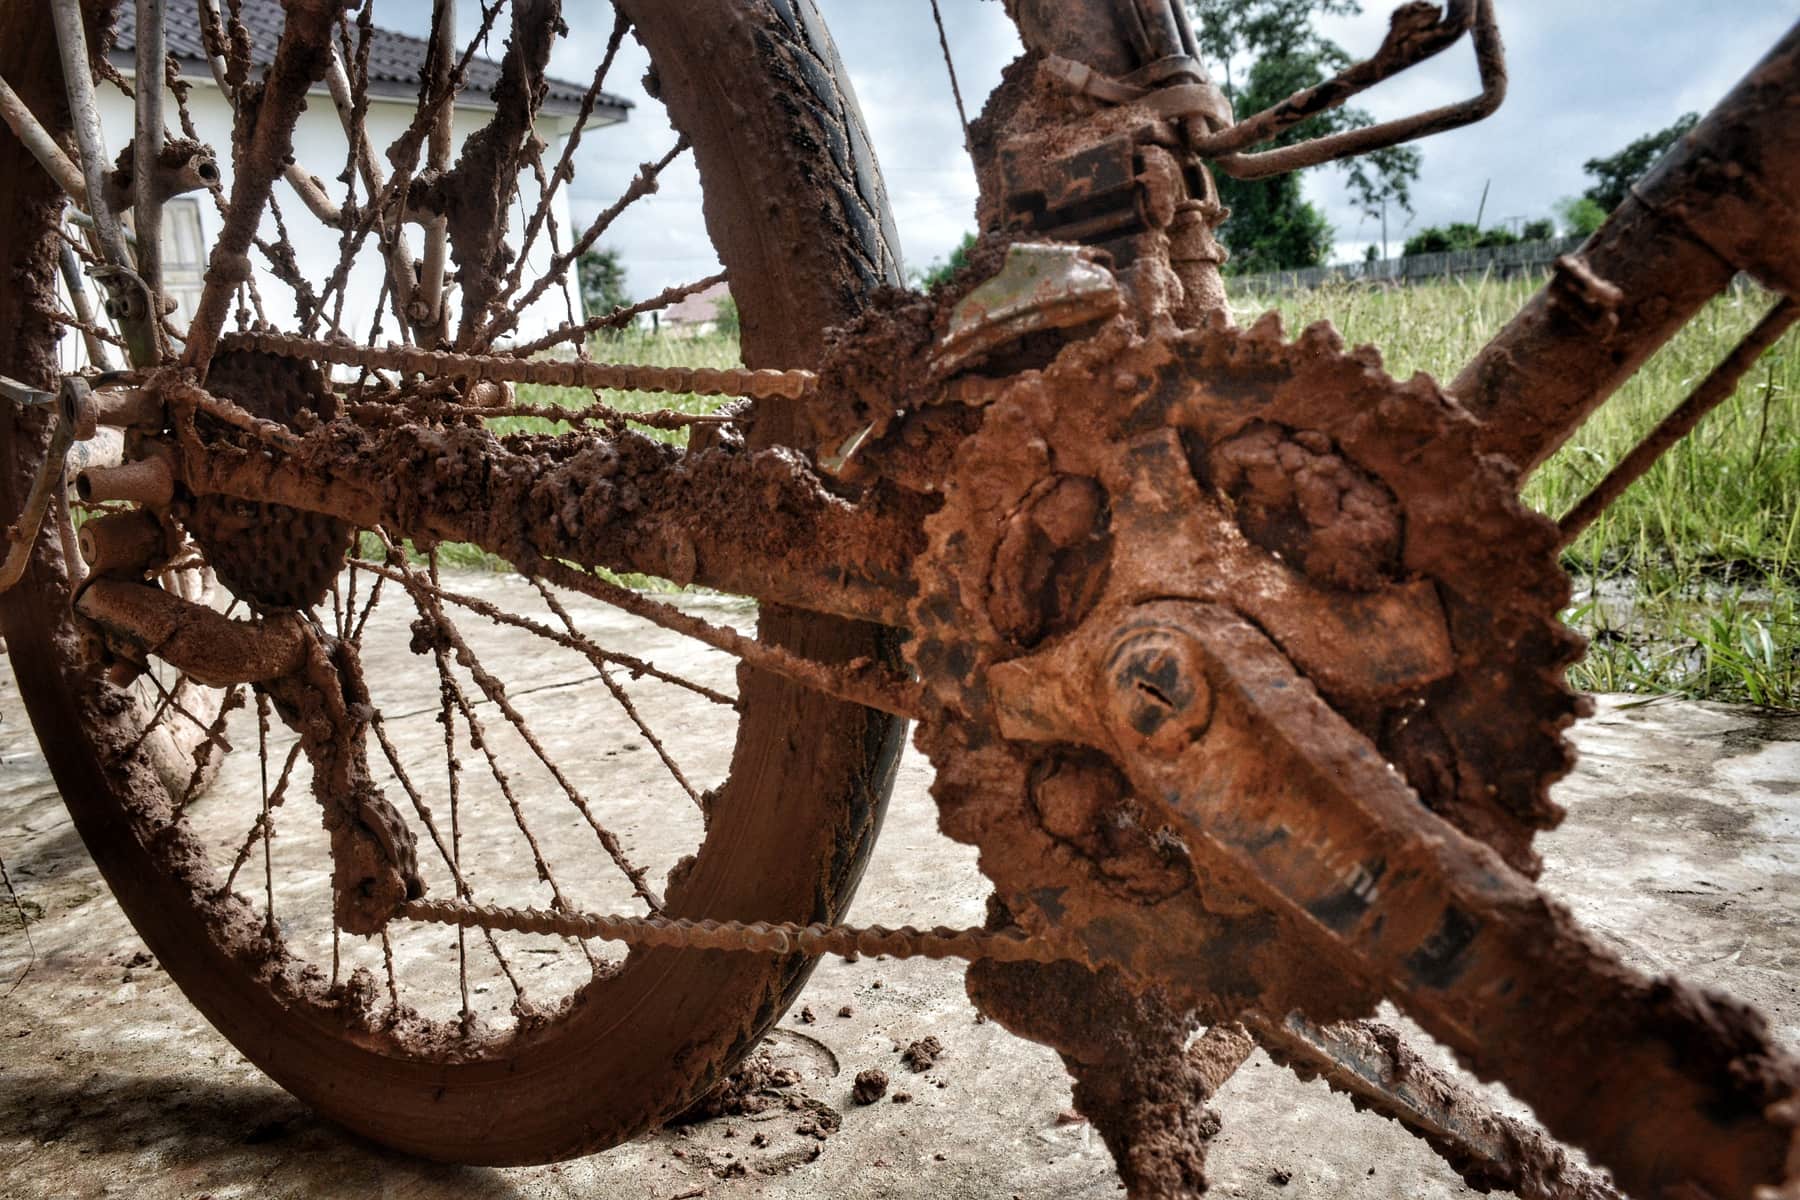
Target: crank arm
point(1673, 1088)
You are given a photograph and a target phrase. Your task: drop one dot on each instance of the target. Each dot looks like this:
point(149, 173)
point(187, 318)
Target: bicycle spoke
point(215, 737)
point(618, 694)
point(565, 163)
point(587, 647)
point(508, 315)
point(618, 318)
point(496, 695)
point(305, 35)
point(393, 983)
point(450, 854)
point(257, 828)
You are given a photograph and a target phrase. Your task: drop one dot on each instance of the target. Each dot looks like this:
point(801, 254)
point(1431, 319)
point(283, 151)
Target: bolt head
point(1155, 689)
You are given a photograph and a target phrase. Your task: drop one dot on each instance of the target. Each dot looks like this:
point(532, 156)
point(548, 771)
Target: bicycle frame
point(1136, 190)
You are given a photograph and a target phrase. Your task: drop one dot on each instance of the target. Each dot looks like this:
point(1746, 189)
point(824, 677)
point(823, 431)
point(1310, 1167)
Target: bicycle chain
point(767, 937)
point(502, 368)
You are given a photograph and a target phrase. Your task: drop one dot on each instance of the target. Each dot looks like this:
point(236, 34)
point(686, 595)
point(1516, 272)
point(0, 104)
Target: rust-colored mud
point(1127, 1054)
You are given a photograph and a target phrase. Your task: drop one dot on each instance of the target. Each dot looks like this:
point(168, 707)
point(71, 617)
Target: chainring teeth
point(1462, 527)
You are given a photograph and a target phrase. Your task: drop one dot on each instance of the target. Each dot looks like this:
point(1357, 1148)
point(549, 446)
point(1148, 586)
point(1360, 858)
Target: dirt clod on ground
point(871, 1085)
point(923, 1054)
point(750, 1089)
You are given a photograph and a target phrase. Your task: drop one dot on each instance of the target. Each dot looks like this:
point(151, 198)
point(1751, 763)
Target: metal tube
point(147, 144)
point(1490, 60)
point(121, 543)
point(136, 322)
point(43, 147)
point(149, 481)
point(1720, 202)
point(129, 407)
point(84, 114)
point(1717, 388)
point(99, 353)
point(430, 295)
point(44, 486)
point(1370, 1063)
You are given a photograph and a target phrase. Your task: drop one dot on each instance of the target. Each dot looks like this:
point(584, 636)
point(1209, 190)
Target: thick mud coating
point(1531, 1167)
point(1133, 1079)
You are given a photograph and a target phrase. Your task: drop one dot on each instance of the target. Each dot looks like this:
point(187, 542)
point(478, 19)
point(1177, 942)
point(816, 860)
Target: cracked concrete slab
point(1682, 848)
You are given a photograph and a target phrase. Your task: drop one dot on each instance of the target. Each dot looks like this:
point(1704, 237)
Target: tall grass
point(1690, 583)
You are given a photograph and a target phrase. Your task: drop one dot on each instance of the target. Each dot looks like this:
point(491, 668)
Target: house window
point(183, 257)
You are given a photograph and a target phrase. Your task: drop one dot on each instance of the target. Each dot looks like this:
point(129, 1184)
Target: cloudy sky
point(1587, 76)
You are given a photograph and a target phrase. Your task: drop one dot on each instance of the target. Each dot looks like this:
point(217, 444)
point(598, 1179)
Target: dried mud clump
point(1297, 496)
point(871, 1085)
point(755, 1086)
point(923, 1054)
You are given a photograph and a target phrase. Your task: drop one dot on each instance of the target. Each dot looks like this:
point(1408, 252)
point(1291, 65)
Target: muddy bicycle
point(1238, 660)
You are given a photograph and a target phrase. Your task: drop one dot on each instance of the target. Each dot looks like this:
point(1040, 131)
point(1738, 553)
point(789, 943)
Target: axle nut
point(1157, 697)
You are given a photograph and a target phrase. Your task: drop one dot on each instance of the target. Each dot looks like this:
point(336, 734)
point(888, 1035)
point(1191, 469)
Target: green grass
point(645, 349)
point(1690, 583)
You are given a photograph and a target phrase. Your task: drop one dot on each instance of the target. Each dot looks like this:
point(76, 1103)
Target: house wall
point(321, 148)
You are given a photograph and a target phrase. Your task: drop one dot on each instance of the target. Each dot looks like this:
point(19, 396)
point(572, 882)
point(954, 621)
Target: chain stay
point(764, 937)
point(503, 368)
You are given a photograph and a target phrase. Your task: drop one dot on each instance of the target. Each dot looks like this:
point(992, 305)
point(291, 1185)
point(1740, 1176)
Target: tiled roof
point(395, 59)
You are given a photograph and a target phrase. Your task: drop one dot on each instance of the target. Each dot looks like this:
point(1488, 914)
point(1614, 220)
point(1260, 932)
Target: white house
point(320, 148)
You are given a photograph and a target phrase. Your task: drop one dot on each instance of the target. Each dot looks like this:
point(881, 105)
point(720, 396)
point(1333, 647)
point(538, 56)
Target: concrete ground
point(1681, 848)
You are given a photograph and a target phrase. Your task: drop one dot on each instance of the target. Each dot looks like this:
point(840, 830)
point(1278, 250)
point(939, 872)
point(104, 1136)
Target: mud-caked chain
point(764, 937)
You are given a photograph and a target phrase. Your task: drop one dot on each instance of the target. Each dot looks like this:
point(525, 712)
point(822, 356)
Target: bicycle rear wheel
point(756, 86)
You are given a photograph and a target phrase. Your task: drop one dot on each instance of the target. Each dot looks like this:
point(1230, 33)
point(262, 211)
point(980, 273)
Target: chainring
point(1348, 515)
point(272, 556)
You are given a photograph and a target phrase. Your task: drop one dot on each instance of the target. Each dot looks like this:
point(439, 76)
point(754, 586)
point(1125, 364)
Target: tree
point(1614, 175)
point(1458, 235)
point(601, 277)
point(1541, 230)
point(1580, 215)
point(1272, 225)
point(942, 269)
point(727, 310)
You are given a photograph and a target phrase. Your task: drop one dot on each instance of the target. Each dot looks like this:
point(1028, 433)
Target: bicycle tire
point(805, 807)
